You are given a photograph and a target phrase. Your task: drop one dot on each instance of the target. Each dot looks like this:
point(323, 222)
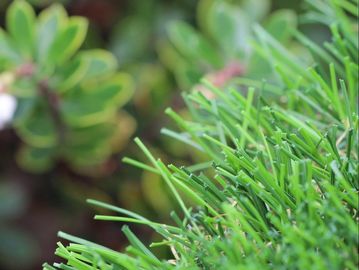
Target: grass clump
point(279, 188)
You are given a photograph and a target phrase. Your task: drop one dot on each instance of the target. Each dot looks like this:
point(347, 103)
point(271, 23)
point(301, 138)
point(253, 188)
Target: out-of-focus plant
point(279, 185)
point(155, 86)
point(67, 100)
point(137, 53)
point(220, 48)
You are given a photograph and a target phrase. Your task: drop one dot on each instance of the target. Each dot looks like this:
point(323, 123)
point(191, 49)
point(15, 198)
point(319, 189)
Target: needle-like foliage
point(279, 188)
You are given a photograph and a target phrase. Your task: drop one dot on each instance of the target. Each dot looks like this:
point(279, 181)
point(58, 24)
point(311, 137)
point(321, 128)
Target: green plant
point(220, 49)
point(137, 53)
point(68, 101)
point(279, 188)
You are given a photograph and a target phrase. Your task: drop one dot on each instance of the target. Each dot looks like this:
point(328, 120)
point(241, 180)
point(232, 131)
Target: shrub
point(219, 47)
point(279, 188)
point(67, 100)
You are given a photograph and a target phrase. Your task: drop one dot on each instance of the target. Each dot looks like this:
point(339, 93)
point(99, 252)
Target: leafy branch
point(62, 93)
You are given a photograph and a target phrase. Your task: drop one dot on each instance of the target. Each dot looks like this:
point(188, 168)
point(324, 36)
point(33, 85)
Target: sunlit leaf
point(69, 75)
point(8, 52)
point(21, 26)
point(100, 64)
point(51, 21)
point(192, 44)
point(68, 41)
point(229, 26)
point(281, 24)
point(39, 129)
point(94, 106)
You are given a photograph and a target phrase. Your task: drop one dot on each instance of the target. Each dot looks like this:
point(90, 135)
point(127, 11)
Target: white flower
point(7, 108)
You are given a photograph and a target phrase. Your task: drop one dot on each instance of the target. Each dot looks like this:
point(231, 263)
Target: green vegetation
point(221, 42)
point(279, 186)
point(68, 101)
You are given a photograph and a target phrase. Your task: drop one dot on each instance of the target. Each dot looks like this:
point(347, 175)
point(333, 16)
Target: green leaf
point(88, 67)
point(169, 56)
point(36, 160)
point(192, 44)
point(8, 53)
point(68, 41)
point(203, 9)
point(69, 75)
point(187, 76)
point(116, 91)
point(38, 129)
point(126, 43)
point(24, 88)
point(93, 106)
point(229, 27)
point(255, 10)
point(21, 26)
point(24, 109)
point(281, 24)
point(100, 64)
point(51, 21)
point(85, 113)
point(87, 135)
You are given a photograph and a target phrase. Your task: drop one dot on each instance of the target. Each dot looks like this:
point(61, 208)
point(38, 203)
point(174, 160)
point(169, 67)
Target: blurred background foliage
point(167, 47)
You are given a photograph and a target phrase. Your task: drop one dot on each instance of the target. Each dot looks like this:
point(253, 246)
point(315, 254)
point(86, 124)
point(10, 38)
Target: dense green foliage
point(67, 100)
point(220, 46)
point(279, 186)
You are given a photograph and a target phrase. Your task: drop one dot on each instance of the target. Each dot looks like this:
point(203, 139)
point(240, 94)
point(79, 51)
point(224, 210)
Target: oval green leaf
point(68, 41)
point(20, 21)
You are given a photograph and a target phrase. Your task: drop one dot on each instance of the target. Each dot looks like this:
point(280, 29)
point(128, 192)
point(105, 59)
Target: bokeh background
point(33, 208)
